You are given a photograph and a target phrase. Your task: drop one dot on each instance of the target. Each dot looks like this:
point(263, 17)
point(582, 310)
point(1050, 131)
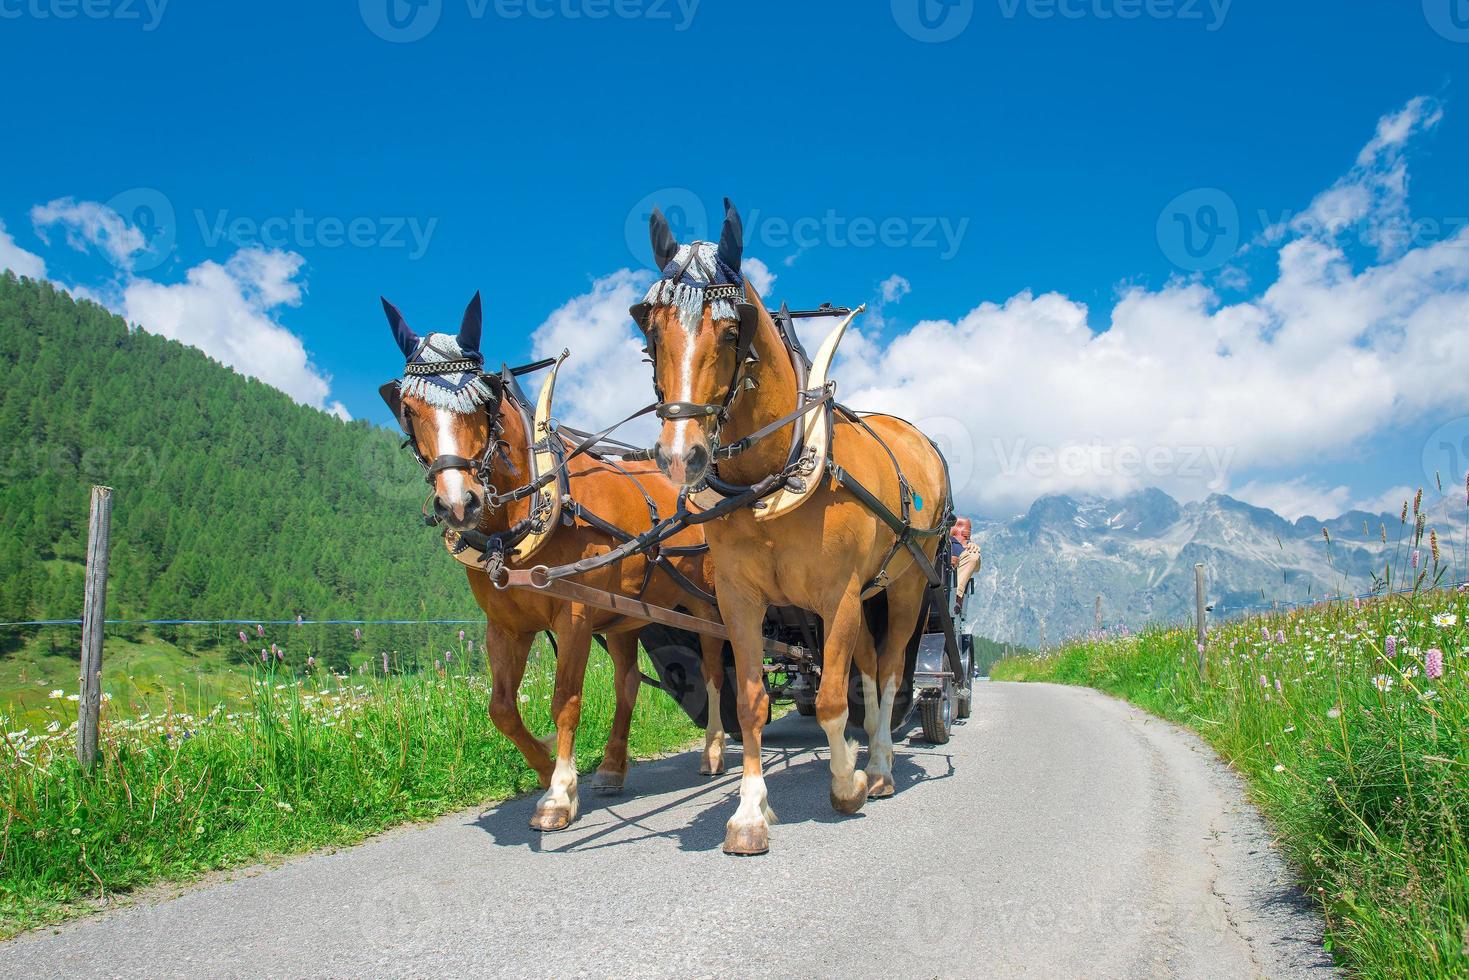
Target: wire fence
point(1275, 605)
point(250, 622)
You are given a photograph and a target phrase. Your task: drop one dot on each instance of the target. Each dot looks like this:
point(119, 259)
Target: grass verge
point(1348, 722)
point(295, 762)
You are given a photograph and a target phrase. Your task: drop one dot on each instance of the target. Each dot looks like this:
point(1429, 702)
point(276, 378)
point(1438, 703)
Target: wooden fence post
point(1199, 617)
point(94, 616)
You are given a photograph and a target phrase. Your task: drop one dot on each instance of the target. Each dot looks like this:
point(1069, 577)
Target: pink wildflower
point(1280, 636)
point(259, 630)
point(1433, 663)
point(243, 637)
point(1263, 681)
point(357, 633)
point(1390, 646)
point(264, 656)
point(1415, 557)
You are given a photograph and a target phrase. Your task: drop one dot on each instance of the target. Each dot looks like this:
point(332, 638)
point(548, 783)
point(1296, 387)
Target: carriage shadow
point(668, 799)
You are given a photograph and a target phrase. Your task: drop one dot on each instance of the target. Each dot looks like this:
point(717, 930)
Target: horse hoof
point(853, 803)
point(609, 783)
point(550, 819)
point(880, 787)
point(747, 841)
point(711, 768)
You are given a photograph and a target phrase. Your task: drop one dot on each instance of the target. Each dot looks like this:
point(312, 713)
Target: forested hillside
point(232, 500)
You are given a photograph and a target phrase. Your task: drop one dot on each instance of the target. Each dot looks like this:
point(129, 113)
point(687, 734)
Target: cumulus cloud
point(759, 275)
point(1182, 390)
point(894, 288)
point(605, 377)
point(88, 223)
point(229, 311)
point(1372, 199)
point(17, 259)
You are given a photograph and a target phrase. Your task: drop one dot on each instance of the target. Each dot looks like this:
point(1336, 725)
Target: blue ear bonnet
point(447, 376)
point(690, 280)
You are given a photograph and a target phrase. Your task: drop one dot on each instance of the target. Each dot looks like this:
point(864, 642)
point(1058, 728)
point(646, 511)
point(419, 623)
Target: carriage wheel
point(938, 718)
point(806, 709)
point(966, 704)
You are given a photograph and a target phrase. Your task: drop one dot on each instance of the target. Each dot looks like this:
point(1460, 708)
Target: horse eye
point(731, 335)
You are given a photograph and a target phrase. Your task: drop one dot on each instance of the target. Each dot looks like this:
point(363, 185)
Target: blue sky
point(511, 148)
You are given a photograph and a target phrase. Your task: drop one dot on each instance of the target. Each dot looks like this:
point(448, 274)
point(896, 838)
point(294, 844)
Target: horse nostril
point(440, 511)
point(696, 461)
point(660, 456)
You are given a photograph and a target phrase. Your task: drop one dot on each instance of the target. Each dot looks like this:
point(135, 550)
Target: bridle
point(480, 466)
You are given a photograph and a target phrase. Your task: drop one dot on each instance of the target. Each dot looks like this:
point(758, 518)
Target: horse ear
point(406, 338)
point(665, 246)
point(469, 330)
point(732, 238)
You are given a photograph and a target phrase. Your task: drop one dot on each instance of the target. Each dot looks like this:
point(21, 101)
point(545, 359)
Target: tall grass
point(1348, 721)
point(300, 760)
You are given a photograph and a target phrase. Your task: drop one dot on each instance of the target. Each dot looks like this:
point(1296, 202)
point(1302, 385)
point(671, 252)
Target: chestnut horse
point(724, 371)
point(452, 413)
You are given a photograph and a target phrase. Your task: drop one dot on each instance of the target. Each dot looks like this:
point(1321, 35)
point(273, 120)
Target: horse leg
point(558, 808)
point(748, 831)
point(712, 650)
point(507, 655)
point(905, 602)
point(623, 649)
point(846, 633)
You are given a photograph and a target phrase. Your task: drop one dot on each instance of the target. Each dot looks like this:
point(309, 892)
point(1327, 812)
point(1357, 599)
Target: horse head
point(449, 409)
point(699, 320)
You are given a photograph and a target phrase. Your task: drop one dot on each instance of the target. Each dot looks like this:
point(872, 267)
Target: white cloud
point(89, 223)
point(17, 259)
point(894, 288)
point(1296, 498)
point(759, 275)
point(606, 377)
point(1373, 196)
point(1302, 497)
point(229, 311)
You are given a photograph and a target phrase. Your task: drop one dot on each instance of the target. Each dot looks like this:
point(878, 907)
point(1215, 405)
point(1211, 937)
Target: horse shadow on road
point(667, 799)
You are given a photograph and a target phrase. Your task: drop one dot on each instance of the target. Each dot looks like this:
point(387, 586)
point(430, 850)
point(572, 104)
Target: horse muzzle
point(462, 514)
point(685, 466)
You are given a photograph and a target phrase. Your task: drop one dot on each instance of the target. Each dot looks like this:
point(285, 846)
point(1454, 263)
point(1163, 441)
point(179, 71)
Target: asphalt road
point(1059, 834)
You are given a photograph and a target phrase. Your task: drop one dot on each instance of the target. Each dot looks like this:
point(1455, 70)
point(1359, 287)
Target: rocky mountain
point(1044, 569)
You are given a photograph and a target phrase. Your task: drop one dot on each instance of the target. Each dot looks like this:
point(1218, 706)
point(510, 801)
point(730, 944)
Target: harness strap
point(586, 446)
